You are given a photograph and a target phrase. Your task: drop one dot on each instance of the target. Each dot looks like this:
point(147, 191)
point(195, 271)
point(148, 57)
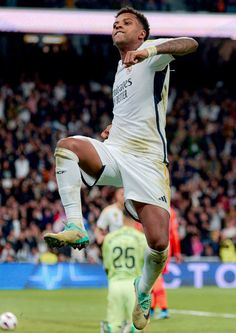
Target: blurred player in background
point(111, 218)
point(159, 296)
point(123, 257)
point(134, 155)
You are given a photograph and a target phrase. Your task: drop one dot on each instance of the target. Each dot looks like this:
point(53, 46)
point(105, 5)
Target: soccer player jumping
point(134, 155)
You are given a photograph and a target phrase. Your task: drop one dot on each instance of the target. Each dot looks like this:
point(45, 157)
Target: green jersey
point(123, 253)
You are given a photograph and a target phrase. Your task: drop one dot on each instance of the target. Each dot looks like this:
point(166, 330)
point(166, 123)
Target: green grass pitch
point(80, 310)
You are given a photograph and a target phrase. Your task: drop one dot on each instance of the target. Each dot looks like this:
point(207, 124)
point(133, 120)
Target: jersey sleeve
point(159, 61)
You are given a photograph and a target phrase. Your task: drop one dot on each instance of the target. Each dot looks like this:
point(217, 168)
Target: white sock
point(69, 184)
point(154, 262)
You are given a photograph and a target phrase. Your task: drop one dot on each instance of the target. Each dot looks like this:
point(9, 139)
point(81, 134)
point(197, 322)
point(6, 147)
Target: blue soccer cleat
point(163, 314)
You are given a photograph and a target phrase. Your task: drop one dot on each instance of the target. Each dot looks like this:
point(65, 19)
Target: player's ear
point(142, 34)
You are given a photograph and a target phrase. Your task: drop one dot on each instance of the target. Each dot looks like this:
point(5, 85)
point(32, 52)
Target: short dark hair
point(142, 19)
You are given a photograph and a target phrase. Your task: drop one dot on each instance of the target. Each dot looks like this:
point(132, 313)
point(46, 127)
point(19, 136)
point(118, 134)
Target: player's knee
point(71, 144)
point(159, 244)
point(65, 143)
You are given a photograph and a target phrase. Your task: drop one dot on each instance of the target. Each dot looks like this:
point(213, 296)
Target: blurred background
point(53, 86)
point(160, 5)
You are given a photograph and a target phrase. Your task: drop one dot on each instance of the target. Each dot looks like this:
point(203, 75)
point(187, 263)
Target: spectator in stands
point(22, 167)
point(8, 254)
point(187, 196)
point(48, 257)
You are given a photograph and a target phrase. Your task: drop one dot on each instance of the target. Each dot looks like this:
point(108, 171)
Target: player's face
point(127, 30)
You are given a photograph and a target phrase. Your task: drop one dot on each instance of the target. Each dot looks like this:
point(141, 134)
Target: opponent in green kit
point(123, 257)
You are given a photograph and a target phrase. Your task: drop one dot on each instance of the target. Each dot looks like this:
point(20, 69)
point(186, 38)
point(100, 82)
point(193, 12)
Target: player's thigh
point(115, 307)
point(109, 173)
point(89, 159)
point(155, 221)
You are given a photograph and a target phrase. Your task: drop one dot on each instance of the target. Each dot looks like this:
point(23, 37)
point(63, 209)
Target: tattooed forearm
point(178, 46)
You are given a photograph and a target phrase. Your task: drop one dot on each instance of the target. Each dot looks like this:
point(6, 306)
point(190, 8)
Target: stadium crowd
point(160, 5)
point(202, 153)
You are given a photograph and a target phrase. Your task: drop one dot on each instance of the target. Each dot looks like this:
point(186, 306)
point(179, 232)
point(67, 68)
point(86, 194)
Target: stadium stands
point(37, 110)
point(152, 5)
point(34, 115)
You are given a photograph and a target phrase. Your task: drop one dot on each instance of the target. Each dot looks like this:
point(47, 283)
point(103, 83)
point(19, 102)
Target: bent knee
point(66, 143)
point(70, 143)
point(158, 245)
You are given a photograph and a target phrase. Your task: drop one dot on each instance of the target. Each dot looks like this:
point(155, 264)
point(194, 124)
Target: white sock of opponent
point(69, 184)
point(154, 262)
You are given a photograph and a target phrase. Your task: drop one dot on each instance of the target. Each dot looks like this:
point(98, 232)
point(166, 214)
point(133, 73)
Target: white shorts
point(143, 180)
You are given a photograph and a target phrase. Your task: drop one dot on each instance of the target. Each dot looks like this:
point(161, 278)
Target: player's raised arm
point(176, 46)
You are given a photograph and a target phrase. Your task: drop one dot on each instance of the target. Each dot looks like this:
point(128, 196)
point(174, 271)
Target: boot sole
point(54, 242)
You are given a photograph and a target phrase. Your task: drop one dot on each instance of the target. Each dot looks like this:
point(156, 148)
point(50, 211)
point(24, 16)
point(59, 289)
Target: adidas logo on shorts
point(163, 199)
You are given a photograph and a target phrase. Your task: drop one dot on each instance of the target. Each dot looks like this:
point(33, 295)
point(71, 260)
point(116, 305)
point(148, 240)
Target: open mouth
point(119, 32)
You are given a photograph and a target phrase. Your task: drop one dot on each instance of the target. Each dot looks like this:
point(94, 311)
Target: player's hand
point(106, 132)
point(134, 57)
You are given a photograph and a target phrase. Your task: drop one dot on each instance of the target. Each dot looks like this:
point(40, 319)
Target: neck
point(119, 205)
point(126, 48)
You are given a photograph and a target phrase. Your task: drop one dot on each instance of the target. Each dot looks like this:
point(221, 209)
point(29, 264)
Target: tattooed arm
point(177, 46)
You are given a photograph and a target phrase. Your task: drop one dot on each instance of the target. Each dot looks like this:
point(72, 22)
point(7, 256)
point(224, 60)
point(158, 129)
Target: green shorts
point(121, 300)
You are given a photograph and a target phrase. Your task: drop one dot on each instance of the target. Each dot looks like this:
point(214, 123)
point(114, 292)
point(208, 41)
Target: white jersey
point(140, 95)
point(111, 218)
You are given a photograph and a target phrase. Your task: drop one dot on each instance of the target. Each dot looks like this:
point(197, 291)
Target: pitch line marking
point(204, 314)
